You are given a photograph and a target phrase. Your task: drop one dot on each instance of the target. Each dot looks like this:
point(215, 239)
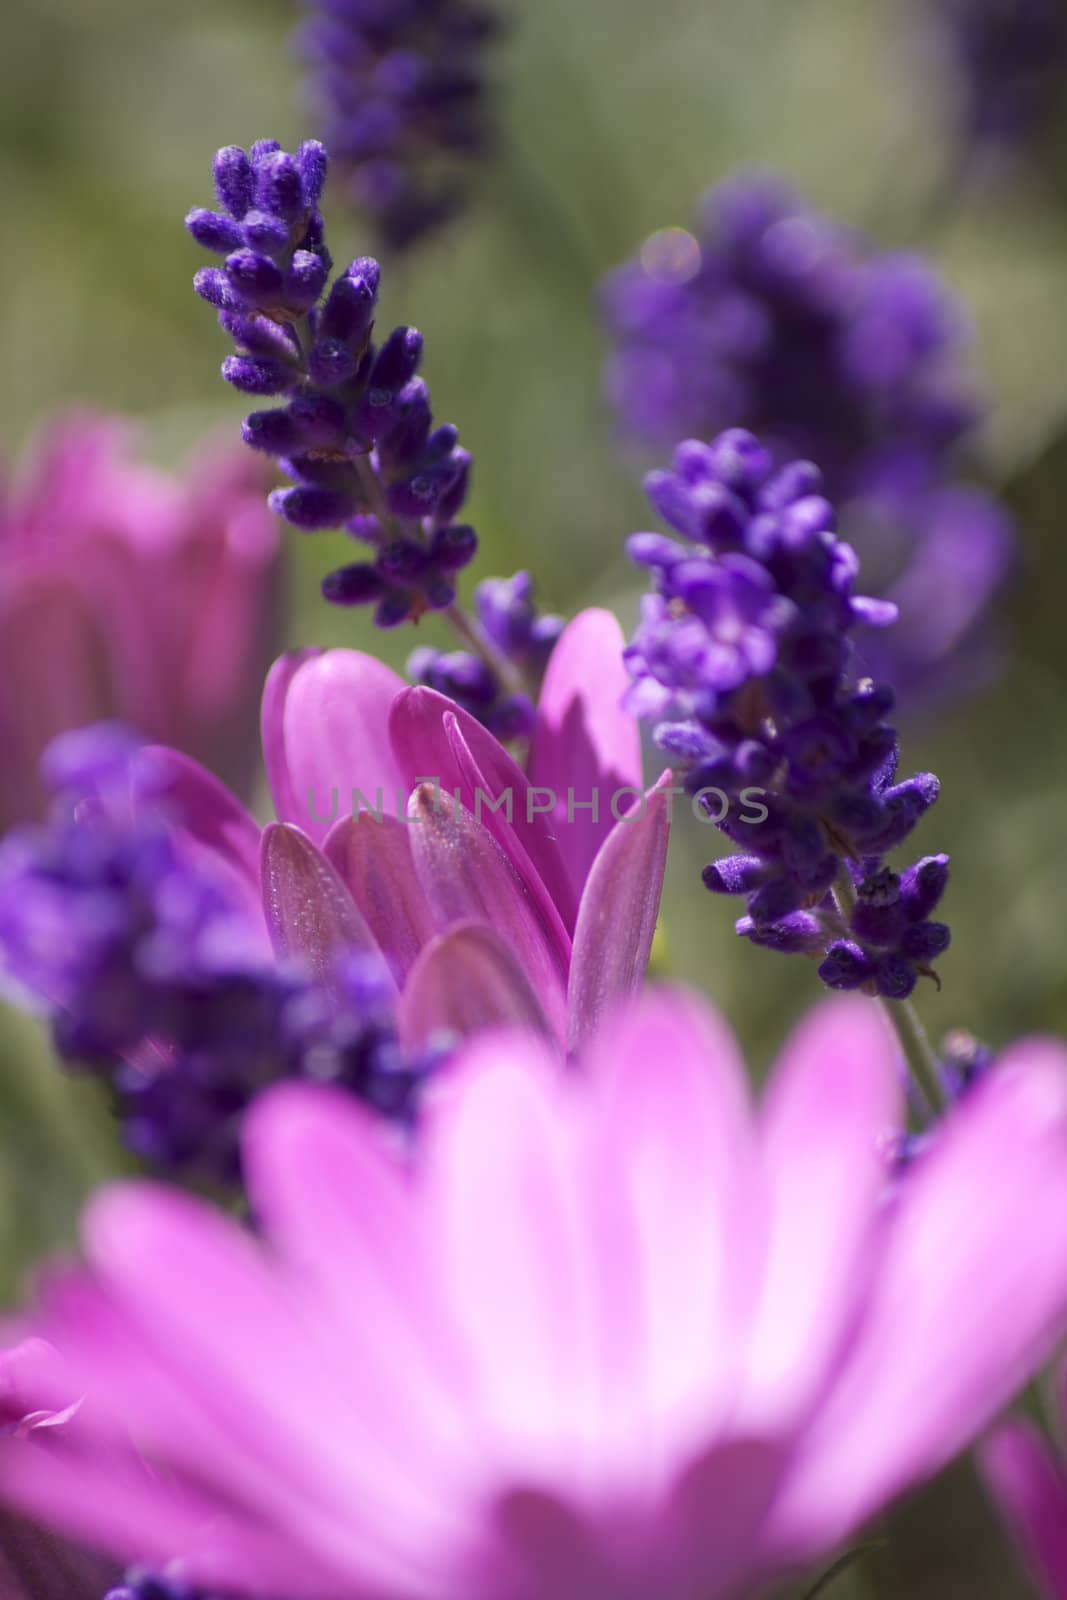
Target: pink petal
point(971, 1294)
point(670, 1189)
point(202, 807)
point(435, 740)
point(834, 1098)
point(332, 1194)
point(467, 878)
point(326, 740)
point(310, 914)
point(339, 1489)
point(373, 858)
point(583, 742)
point(505, 1207)
point(618, 912)
point(467, 980)
point(1031, 1493)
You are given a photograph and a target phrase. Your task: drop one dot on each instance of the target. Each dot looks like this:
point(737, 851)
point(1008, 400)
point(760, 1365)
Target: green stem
point(918, 1053)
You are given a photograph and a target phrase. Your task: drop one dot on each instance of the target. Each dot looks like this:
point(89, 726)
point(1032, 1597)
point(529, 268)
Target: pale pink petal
point(341, 1208)
point(437, 741)
point(310, 913)
point(1030, 1491)
point(504, 1205)
point(467, 878)
point(833, 1101)
point(971, 1294)
point(670, 1188)
point(372, 856)
point(273, 1375)
point(464, 981)
point(584, 744)
point(618, 912)
point(326, 739)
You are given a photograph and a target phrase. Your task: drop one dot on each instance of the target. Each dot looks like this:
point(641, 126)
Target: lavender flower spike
point(401, 83)
point(355, 432)
point(775, 317)
point(743, 660)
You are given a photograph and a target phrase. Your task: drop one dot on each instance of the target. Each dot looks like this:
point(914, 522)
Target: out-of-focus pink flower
point(494, 893)
point(1029, 1485)
point(606, 1334)
point(126, 594)
point(36, 1410)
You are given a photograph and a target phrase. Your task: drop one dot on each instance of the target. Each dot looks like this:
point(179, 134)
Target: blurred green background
point(616, 116)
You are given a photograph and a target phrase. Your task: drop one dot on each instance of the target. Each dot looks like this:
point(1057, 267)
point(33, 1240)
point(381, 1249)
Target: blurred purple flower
point(399, 88)
point(775, 318)
point(611, 1334)
point(1007, 62)
point(125, 594)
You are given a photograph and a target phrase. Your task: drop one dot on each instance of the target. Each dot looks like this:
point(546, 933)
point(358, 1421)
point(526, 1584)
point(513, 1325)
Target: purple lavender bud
point(265, 233)
point(922, 886)
point(348, 314)
point(212, 285)
point(356, 585)
point(925, 941)
point(798, 934)
point(261, 148)
point(453, 496)
point(213, 231)
point(279, 186)
point(258, 336)
point(272, 432)
point(654, 550)
point(234, 180)
point(313, 162)
point(774, 900)
point(397, 361)
point(330, 363)
point(734, 874)
point(879, 916)
point(305, 280)
point(421, 496)
point(311, 508)
point(258, 376)
point(254, 279)
point(319, 419)
point(845, 966)
point(408, 422)
point(402, 561)
point(453, 547)
point(441, 443)
point(894, 976)
point(512, 719)
point(393, 609)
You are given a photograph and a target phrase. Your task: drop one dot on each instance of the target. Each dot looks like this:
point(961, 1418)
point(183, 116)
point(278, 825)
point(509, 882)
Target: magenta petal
point(1031, 1494)
point(310, 914)
point(374, 861)
point(618, 911)
point(326, 739)
point(583, 742)
point(435, 740)
point(201, 806)
point(468, 878)
point(35, 1565)
point(464, 981)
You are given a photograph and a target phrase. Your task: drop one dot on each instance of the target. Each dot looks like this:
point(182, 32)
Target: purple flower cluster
point(401, 85)
point(156, 979)
point(522, 639)
point(140, 1584)
point(356, 433)
point(774, 317)
point(1009, 58)
point(743, 659)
